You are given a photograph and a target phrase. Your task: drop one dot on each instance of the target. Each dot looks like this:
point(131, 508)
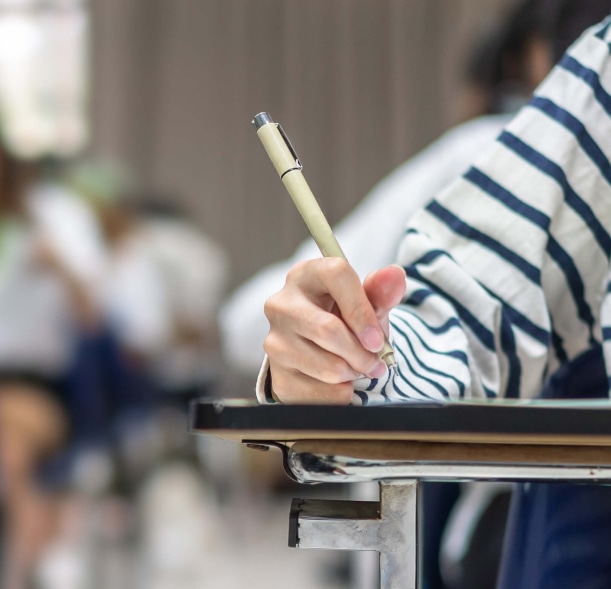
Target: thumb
point(385, 289)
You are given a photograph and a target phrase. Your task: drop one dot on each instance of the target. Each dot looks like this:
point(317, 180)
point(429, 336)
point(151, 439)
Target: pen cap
point(261, 119)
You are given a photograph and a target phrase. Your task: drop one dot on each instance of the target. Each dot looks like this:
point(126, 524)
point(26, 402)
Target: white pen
point(287, 164)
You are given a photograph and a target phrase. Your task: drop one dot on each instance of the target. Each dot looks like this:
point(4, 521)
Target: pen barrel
point(319, 227)
point(276, 148)
point(310, 210)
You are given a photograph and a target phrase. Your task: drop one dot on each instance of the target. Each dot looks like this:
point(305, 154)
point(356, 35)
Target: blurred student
point(195, 272)
point(162, 283)
point(130, 290)
point(47, 249)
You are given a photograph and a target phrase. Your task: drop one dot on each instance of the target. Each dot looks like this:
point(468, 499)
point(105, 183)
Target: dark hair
point(498, 59)
point(562, 21)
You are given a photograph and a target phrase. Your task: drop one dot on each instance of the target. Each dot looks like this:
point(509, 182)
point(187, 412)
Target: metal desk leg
point(389, 527)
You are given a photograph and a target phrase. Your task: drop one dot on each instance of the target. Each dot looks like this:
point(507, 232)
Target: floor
point(179, 531)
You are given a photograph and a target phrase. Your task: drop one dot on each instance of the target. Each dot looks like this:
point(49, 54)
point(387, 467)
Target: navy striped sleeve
point(507, 269)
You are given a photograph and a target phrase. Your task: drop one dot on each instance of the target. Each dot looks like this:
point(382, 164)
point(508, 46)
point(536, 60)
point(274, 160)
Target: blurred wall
point(359, 85)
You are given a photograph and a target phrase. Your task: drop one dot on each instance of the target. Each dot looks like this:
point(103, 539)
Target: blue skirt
point(558, 535)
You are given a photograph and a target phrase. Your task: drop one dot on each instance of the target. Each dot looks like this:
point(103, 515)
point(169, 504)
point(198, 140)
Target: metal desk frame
point(542, 442)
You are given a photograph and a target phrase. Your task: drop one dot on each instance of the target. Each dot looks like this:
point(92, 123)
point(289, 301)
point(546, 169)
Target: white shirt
point(193, 272)
point(36, 318)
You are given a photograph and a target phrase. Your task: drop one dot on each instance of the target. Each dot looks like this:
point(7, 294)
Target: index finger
point(337, 279)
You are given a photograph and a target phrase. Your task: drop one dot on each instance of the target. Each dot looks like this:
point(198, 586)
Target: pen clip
point(290, 146)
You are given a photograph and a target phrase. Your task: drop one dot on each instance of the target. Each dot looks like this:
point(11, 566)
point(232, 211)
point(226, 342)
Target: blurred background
point(134, 199)
point(359, 87)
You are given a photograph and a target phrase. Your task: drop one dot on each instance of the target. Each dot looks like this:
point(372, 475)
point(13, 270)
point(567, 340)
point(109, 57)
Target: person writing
point(501, 278)
point(502, 288)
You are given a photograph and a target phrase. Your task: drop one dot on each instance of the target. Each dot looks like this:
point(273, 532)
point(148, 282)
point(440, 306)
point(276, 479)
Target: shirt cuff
point(263, 388)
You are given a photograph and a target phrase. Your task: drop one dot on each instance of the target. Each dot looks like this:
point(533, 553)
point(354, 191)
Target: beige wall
point(359, 85)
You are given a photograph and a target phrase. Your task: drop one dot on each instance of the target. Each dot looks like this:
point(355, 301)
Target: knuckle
point(269, 308)
point(273, 306)
point(333, 267)
point(272, 345)
point(334, 371)
point(297, 271)
point(326, 326)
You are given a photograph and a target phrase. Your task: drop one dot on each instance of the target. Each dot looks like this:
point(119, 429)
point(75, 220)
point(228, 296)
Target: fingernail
point(372, 339)
point(378, 370)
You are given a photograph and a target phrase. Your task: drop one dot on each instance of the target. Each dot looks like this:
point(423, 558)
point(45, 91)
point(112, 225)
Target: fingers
point(302, 355)
point(321, 303)
point(385, 289)
point(332, 282)
point(324, 331)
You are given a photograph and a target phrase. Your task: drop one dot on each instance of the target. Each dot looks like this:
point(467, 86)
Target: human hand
point(326, 327)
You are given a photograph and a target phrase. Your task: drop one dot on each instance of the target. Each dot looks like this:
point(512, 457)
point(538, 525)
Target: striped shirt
point(508, 268)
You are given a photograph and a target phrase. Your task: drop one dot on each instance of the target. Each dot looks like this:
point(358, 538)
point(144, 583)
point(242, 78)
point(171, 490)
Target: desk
point(400, 445)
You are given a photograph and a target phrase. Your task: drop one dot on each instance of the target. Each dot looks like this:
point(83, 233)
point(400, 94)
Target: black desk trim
point(449, 418)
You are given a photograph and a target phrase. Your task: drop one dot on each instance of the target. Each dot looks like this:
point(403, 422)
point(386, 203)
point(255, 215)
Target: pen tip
point(387, 355)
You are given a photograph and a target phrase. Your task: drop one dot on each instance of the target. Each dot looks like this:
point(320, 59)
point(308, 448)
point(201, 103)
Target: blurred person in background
point(159, 293)
point(161, 287)
point(130, 292)
point(178, 502)
point(195, 271)
point(104, 311)
point(48, 253)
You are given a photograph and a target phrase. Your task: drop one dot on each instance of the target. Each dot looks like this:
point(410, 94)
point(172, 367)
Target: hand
point(326, 327)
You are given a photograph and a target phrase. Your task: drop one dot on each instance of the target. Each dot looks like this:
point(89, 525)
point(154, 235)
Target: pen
point(287, 164)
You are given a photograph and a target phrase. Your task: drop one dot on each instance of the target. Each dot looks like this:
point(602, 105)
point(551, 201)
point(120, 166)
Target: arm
point(507, 268)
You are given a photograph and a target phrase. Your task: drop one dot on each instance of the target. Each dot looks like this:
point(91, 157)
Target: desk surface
point(540, 422)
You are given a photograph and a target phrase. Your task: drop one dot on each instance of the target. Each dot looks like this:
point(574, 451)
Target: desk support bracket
point(389, 527)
